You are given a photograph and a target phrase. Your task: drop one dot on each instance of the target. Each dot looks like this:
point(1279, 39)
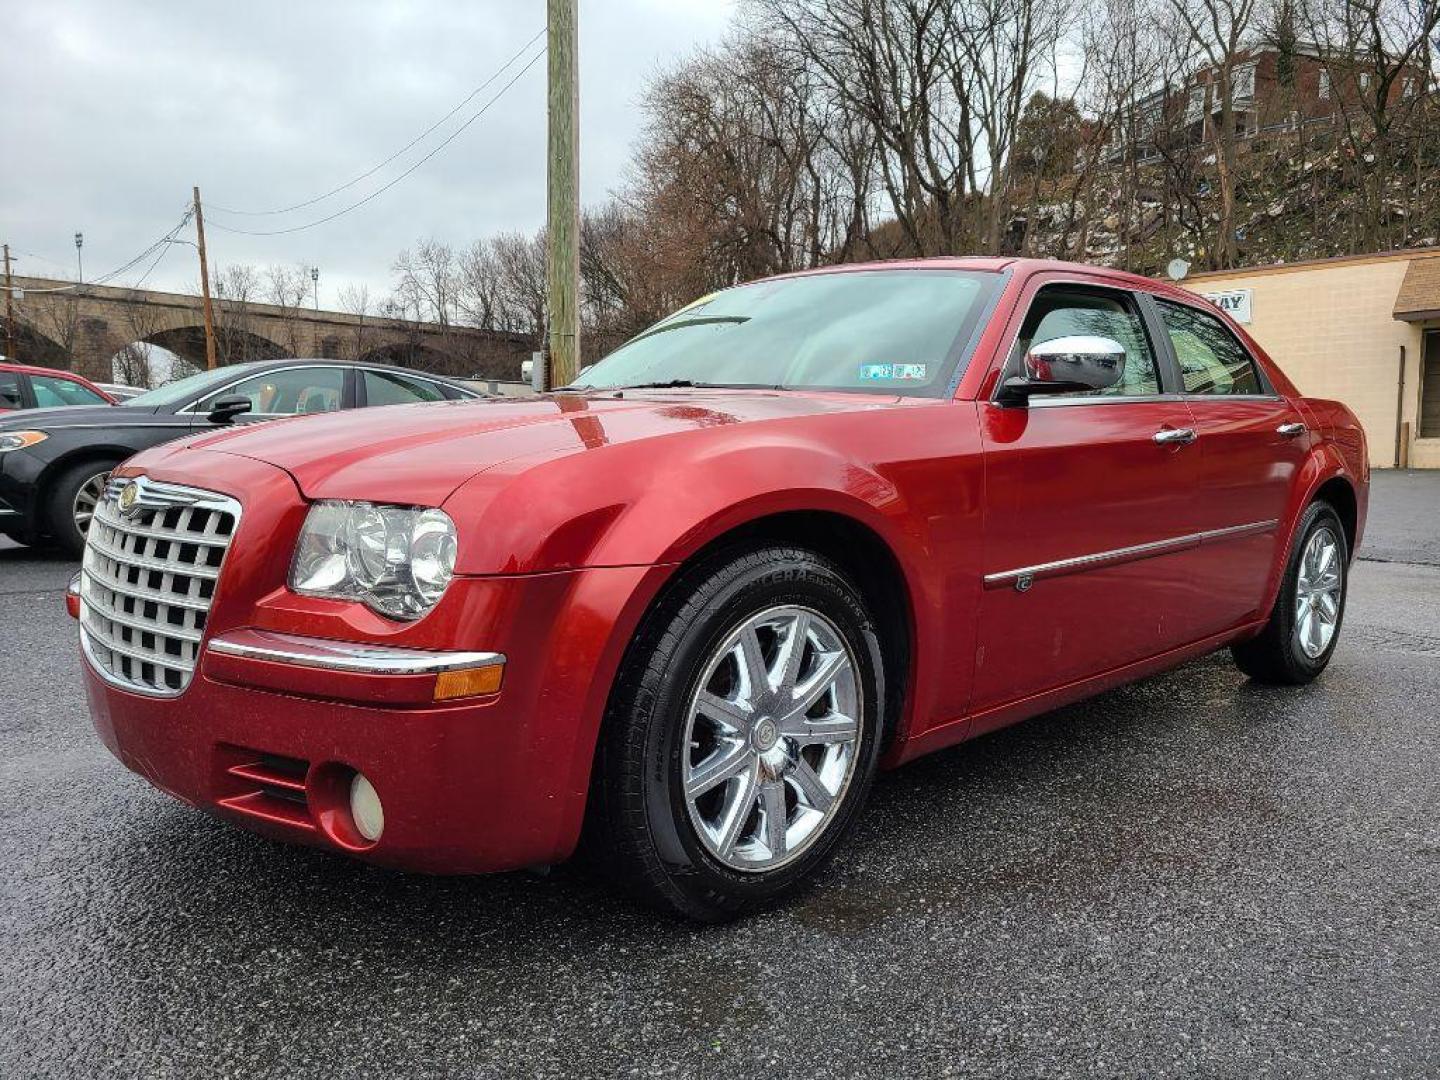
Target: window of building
point(1364, 80)
point(1211, 358)
point(1324, 85)
point(1407, 88)
point(1242, 83)
point(1430, 388)
point(1195, 107)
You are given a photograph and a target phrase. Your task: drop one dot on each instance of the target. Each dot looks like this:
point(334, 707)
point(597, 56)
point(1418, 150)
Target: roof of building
point(1414, 254)
point(1419, 295)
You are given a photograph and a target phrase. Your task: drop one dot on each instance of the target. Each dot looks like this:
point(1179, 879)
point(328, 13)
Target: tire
point(1293, 650)
point(61, 503)
point(653, 825)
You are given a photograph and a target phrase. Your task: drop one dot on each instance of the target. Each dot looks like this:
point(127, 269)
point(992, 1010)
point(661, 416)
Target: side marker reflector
point(469, 682)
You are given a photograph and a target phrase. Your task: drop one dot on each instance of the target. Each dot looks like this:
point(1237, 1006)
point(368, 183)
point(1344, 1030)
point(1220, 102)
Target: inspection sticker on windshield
point(895, 372)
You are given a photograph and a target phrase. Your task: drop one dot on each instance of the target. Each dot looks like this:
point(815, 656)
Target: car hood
point(421, 453)
point(70, 416)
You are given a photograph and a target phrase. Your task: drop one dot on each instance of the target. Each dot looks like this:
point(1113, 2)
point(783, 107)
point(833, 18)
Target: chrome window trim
point(1025, 576)
point(1044, 402)
point(1233, 397)
point(346, 655)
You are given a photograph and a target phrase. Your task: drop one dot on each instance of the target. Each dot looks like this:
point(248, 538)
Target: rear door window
point(1211, 358)
point(389, 388)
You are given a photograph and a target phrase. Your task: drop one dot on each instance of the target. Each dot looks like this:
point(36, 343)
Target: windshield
point(886, 331)
point(184, 389)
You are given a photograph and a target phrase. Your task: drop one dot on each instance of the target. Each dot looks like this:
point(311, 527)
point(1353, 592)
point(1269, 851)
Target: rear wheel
point(742, 735)
point(73, 498)
point(1304, 627)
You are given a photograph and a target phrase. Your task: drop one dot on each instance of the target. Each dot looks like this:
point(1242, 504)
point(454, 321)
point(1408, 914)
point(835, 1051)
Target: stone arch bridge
point(84, 328)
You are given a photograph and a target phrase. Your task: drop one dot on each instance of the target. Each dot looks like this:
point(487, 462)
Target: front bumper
point(19, 472)
point(280, 710)
point(237, 745)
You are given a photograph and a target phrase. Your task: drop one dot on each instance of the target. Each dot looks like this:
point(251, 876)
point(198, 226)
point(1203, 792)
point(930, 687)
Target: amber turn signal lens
point(468, 682)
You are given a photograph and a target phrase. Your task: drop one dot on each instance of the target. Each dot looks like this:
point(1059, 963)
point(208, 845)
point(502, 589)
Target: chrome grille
point(152, 561)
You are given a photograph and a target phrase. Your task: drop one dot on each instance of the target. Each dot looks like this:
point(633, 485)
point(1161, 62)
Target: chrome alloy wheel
point(771, 738)
point(1318, 593)
point(87, 499)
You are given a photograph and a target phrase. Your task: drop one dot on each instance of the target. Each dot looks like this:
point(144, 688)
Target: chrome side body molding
point(1024, 577)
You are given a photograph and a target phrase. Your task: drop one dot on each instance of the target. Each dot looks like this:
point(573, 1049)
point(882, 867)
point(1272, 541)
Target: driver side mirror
point(1066, 365)
point(224, 410)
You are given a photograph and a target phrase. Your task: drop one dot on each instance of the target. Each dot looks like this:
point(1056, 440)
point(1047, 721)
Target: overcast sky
point(112, 110)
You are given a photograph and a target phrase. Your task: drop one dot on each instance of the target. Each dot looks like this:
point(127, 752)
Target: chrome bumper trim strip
point(345, 655)
point(1023, 577)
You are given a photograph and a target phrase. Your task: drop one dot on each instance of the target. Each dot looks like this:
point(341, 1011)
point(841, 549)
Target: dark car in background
point(25, 387)
point(54, 462)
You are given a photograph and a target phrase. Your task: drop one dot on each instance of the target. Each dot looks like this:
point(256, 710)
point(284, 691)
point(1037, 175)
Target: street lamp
point(79, 264)
point(315, 281)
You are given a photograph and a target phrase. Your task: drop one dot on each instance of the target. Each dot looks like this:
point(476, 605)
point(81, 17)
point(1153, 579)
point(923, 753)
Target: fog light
point(365, 808)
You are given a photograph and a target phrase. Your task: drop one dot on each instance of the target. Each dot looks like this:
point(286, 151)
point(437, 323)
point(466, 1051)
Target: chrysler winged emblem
point(129, 496)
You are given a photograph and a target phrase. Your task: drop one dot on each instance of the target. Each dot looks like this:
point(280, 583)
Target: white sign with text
point(1235, 303)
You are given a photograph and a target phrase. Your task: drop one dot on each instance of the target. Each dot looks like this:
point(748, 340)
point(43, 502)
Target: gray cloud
point(112, 111)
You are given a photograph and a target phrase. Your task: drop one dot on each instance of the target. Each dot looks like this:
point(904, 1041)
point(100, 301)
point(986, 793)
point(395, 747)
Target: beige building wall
point(1330, 326)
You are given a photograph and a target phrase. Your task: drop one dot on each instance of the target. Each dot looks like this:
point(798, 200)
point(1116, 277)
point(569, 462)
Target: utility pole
point(205, 284)
point(9, 312)
point(563, 233)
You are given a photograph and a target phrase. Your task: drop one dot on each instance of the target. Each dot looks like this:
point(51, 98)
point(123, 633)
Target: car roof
point(261, 366)
point(997, 264)
point(36, 369)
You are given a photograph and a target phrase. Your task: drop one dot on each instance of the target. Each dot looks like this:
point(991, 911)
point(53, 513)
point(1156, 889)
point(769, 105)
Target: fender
point(1324, 464)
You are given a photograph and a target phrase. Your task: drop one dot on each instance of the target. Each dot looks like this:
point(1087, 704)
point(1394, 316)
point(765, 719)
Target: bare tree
point(355, 300)
point(427, 280)
point(286, 287)
point(1217, 33)
point(1378, 58)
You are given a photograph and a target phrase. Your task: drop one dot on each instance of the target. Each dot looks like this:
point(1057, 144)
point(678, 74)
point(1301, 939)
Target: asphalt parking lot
point(1192, 876)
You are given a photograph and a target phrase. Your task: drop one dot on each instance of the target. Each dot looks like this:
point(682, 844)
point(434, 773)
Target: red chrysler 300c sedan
point(683, 609)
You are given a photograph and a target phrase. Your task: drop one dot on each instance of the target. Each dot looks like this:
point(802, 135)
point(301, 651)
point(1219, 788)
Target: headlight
point(396, 560)
point(19, 440)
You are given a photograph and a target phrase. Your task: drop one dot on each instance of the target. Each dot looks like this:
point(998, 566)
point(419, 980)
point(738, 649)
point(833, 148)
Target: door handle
point(1180, 436)
point(1290, 431)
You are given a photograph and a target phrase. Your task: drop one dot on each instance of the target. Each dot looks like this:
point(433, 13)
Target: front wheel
point(742, 735)
point(73, 499)
point(1304, 627)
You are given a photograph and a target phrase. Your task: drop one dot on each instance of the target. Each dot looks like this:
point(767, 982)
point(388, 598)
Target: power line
point(161, 243)
point(398, 153)
point(380, 191)
point(164, 248)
